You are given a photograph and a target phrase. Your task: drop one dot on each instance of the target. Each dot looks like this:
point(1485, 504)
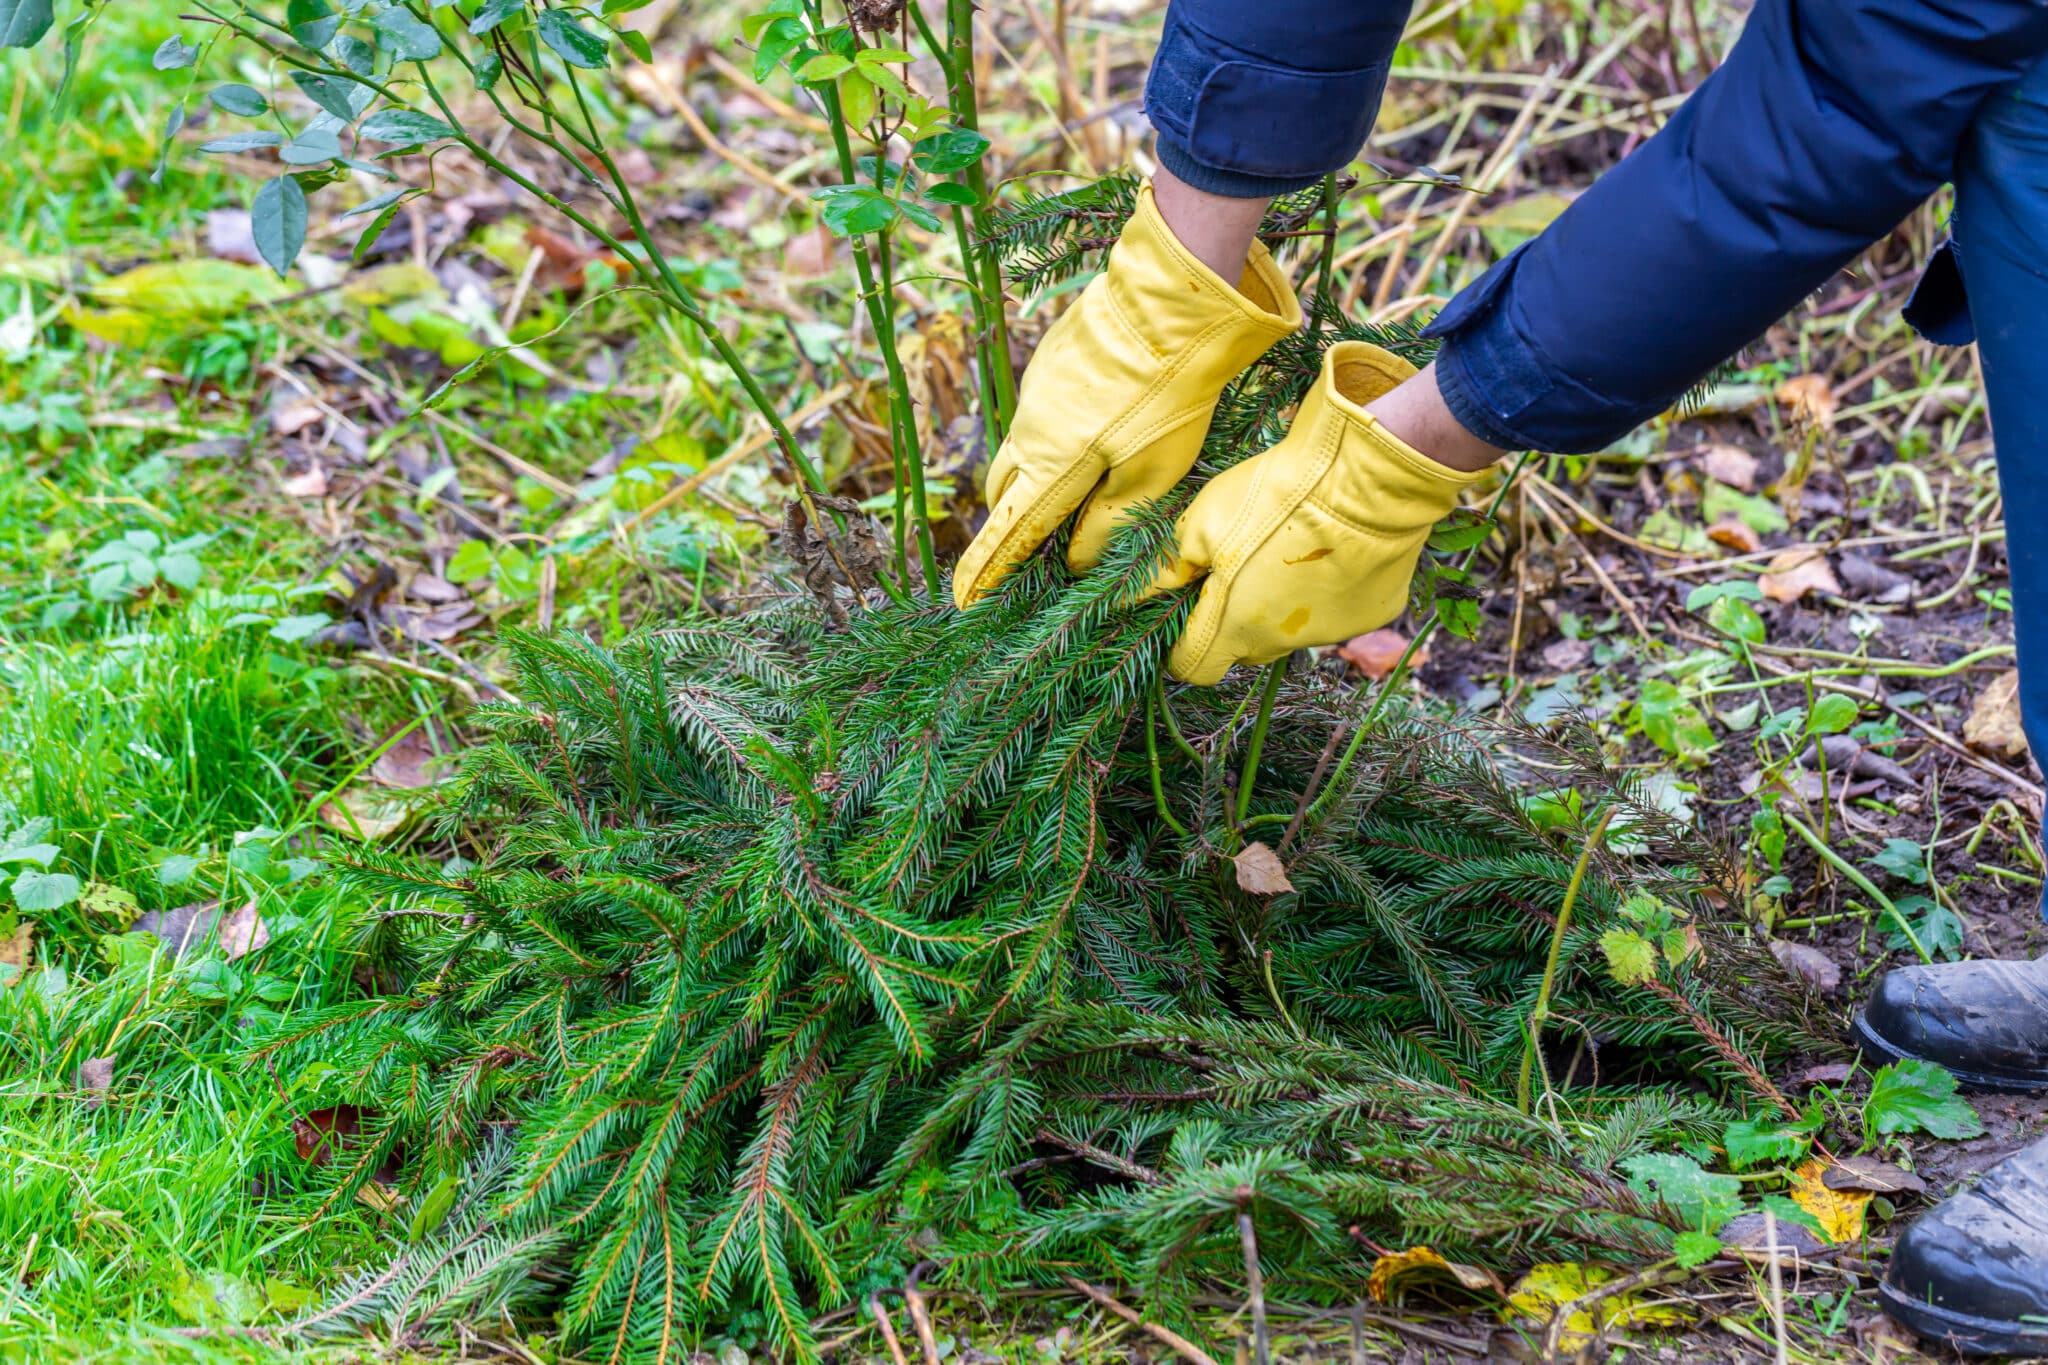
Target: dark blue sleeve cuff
point(1245, 110)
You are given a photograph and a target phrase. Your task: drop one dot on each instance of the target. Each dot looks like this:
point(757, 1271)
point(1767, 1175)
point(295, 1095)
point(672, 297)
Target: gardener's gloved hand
point(1118, 398)
point(1315, 540)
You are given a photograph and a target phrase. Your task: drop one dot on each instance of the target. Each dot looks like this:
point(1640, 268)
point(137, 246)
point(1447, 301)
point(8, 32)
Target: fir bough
point(800, 956)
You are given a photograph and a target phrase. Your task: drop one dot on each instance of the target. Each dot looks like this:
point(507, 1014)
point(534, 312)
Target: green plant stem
point(1152, 758)
point(909, 459)
point(1387, 685)
point(1173, 730)
point(1275, 671)
point(1867, 886)
point(655, 269)
point(1540, 1013)
point(1326, 269)
point(955, 56)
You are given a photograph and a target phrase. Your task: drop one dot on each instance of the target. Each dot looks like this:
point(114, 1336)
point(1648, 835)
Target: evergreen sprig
point(799, 956)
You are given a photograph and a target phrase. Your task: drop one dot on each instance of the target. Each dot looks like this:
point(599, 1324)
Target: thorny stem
point(1326, 270)
point(1539, 1014)
point(1275, 671)
point(1863, 883)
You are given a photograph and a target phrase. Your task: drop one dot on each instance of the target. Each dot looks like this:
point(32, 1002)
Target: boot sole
point(1973, 1336)
point(1880, 1049)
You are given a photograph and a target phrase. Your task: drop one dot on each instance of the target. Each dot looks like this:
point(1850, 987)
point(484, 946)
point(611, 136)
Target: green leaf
point(951, 192)
point(873, 56)
point(1917, 1097)
point(1702, 1200)
point(1672, 723)
point(244, 142)
point(295, 628)
point(24, 22)
point(1904, 859)
point(310, 148)
point(488, 70)
point(1631, 958)
point(1936, 926)
point(277, 219)
point(404, 127)
point(312, 22)
point(1758, 513)
point(784, 36)
point(386, 212)
point(179, 570)
point(636, 43)
point(1707, 594)
point(572, 42)
point(40, 892)
point(1695, 1249)
point(174, 54)
point(948, 151)
point(1461, 530)
point(433, 1209)
point(1831, 714)
point(405, 37)
point(823, 67)
point(920, 215)
point(471, 561)
point(112, 904)
point(849, 210)
point(858, 100)
point(376, 203)
point(176, 870)
point(1757, 1142)
point(240, 99)
point(338, 95)
point(1737, 619)
point(494, 13)
point(1786, 1210)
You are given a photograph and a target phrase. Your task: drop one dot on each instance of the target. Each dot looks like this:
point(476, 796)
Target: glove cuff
point(1375, 478)
point(1164, 290)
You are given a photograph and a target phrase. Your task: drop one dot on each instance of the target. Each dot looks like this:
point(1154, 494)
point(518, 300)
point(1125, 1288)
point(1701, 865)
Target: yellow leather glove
point(1116, 402)
point(1315, 540)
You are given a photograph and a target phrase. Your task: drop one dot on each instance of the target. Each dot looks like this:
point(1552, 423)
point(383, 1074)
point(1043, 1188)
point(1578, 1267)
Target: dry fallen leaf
point(1810, 397)
point(1793, 573)
point(243, 932)
point(1731, 465)
point(1555, 1286)
point(1747, 1236)
point(1811, 965)
point(1840, 1211)
point(1736, 534)
point(289, 419)
point(95, 1077)
point(311, 484)
point(1567, 654)
point(1260, 871)
point(1375, 653)
point(1396, 1272)
point(364, 813)
point(377, 1195)
point(18, 952)
point(319, 1134)
point(807, 255)
point(1872, 1176)
point(1994, 720)
point(409, 764)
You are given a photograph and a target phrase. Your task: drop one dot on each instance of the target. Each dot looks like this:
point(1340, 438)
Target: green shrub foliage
point(797, 956)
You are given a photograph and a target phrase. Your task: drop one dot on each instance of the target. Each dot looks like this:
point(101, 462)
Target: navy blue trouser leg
point(2001, 232)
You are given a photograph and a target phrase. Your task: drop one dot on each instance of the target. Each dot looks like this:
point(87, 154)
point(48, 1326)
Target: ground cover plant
point(314, 1051)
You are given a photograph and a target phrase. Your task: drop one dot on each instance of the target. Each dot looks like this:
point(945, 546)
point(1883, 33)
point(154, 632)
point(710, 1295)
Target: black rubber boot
point(1985, 1021)
point(1973, 1270)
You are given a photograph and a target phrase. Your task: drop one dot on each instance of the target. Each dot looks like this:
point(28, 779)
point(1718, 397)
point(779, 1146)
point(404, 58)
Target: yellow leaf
point(379, 1196)
point(1554, 1285)
point(364, 813)
point(1840, 1211)
point(18, 952)
point(1396, 1272)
